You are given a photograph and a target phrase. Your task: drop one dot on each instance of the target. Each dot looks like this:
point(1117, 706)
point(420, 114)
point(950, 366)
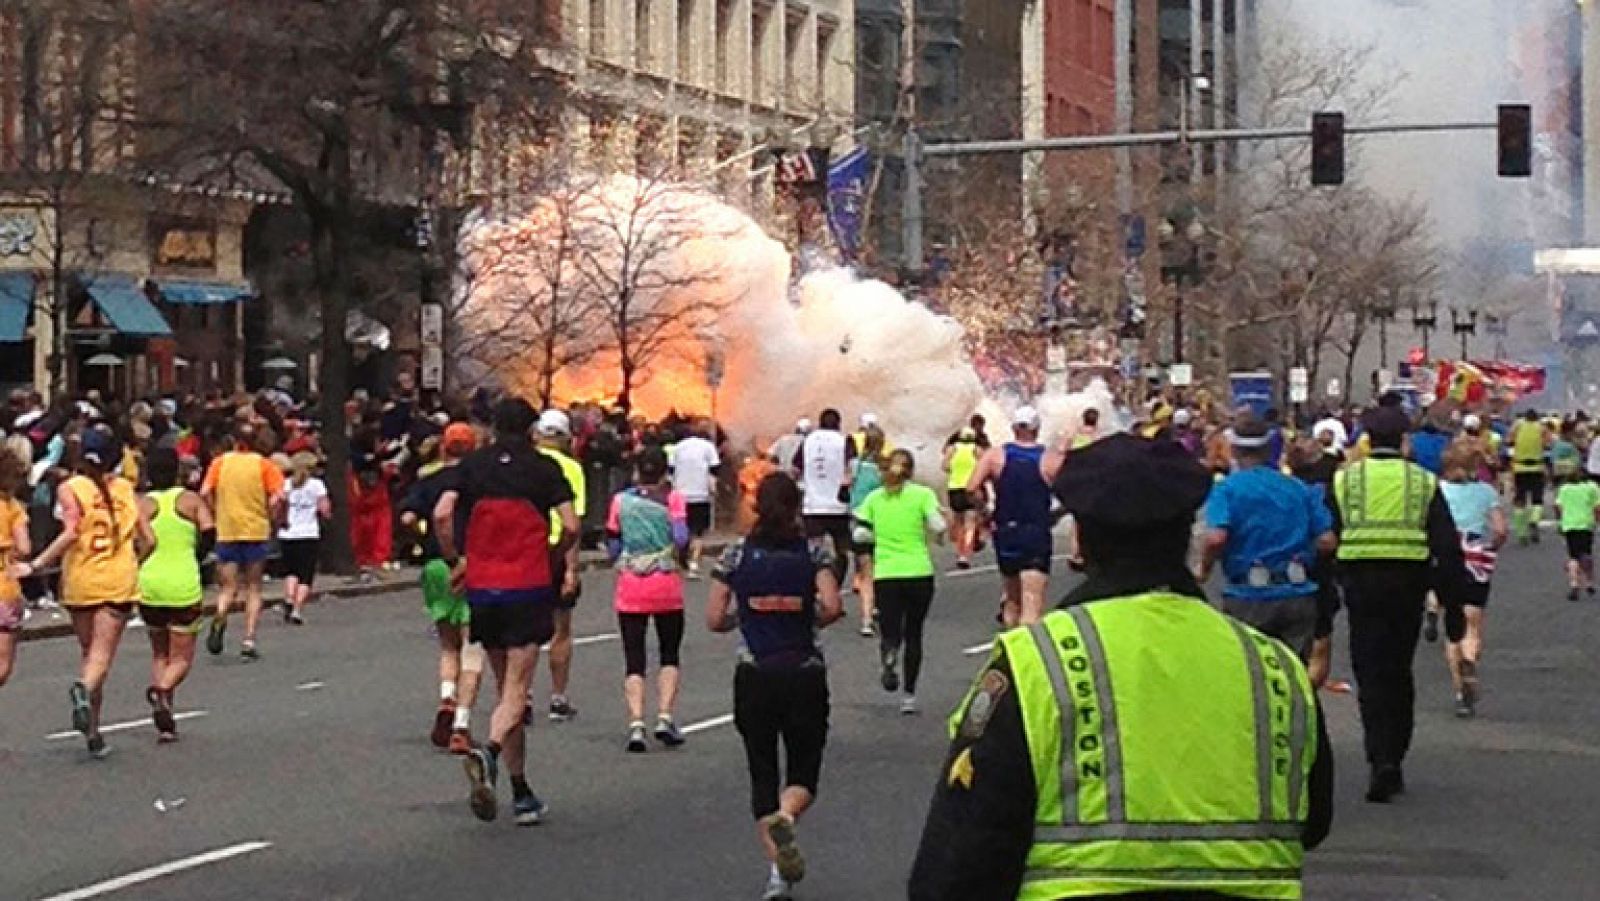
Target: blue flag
point(847, 190)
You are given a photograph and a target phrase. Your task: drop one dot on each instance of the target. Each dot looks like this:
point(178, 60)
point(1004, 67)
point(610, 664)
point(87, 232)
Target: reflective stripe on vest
point(1383, 504)
point(1086, 842)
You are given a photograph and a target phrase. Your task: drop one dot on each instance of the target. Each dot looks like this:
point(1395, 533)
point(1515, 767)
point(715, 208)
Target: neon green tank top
point(963, 461)
point(171, 575)
point(1527, 447)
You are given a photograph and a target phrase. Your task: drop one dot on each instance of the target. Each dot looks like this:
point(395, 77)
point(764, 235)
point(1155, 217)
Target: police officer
point(1397, 540)
point(1205, 773)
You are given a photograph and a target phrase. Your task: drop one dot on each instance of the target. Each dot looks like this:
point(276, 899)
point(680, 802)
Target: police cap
point(1131, 483)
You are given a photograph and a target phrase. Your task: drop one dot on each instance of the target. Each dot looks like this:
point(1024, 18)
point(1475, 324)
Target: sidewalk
point(42, 624)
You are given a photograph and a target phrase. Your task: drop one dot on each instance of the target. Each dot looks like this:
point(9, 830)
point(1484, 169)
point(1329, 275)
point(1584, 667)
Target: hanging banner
point(847, 190)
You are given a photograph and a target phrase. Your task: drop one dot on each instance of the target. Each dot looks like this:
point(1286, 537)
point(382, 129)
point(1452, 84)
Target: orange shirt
point(12, 515)
point(102, 567)
point(245, 485)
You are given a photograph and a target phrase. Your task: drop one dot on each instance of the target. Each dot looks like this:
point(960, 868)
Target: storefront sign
point(183, 244)
point(19, 232)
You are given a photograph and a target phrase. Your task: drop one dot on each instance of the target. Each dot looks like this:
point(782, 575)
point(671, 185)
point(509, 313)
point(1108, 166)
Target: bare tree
point(347, 105)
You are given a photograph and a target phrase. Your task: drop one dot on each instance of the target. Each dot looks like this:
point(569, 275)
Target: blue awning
point(16, 299)
point(198, 293)
point(121, 298)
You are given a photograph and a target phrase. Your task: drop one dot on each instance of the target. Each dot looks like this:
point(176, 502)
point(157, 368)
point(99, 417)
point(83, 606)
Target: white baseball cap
point(1471, 421)
point(553, 423)
point(1182, 417)
point(1026, 416)
point(868, 420)
point(803, 426)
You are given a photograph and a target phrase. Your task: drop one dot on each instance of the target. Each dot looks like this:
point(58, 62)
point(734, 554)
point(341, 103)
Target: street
point(311, 773)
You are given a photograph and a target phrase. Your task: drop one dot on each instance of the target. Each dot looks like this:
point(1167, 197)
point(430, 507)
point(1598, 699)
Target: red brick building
point(1080, 80)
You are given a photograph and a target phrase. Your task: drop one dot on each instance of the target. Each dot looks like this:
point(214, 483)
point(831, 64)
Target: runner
point(1021, 473)
point(555, 442)
point(647, 536)
point(506, 496)
point(960, 460)
point(15, 544)
point(103, 535)
point(778, 590)
point(785, 451)
point(1528, 443)
point(866, 475)
point(1576, 505)
point(300, 538)
point(1475, 506)
point(246, 492)
point(695, 467)
point(824, 459)
point(460, 658)
point(169, 583)
point(896, 520)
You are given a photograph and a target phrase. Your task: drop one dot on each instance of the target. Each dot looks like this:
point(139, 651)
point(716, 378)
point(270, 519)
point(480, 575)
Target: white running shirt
point(303, 524)
point(824, 472)
point(692, 463)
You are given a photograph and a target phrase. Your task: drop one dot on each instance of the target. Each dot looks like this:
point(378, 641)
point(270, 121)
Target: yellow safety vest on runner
point(572, 470)
point(1383, 505)
point(1527, 447)
point(1157, 771)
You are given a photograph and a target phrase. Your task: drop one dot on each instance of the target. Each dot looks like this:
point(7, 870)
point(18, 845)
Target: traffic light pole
point(917, 152)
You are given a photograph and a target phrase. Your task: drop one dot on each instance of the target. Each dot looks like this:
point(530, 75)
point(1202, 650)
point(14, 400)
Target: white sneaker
point(777, 888)
point(908, 707)
point(694, 572)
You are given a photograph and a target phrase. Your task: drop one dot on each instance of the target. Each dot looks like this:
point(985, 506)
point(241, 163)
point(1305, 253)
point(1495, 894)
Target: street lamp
point(1495, 324)
point(1195, 86)
point(1382, 308)
point(1425, 319)
point(1464, 327)
point(1180, 264)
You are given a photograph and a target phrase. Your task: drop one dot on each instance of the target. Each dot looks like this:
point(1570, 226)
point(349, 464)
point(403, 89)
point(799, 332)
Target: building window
point(760, 34)
point(649, 145)
point(724, 26)
point(688, 73)
point(597, 28)
point(793, 55)
point(643, 55)
point(825, 34)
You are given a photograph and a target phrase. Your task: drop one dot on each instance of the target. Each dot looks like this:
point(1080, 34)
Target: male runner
point(555, 442)
point(823, 461)
point(507, 494)
point(695, 466)
point(246, 491)
point(1021, 474)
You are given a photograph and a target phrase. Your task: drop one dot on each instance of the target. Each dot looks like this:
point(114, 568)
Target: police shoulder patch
point(992, 686)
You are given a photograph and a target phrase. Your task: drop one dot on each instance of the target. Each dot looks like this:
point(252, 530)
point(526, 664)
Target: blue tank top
point(1022, 503)
point(776, 592)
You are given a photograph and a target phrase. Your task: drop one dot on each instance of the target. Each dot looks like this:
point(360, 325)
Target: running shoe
point(482, 771)
point(98, 749)
point(890, 679)
point(161, 714)
point(78, 694)
point(528, 810)
point(460, 742)
point(214, 637)
point(963, 563)
point(791, 863)
point(1572, 594)
point(1464, 709)
point(777, 889)
point(1430, 625)
point(247, 650)
point(908, 706)
point(668, 733)
point(1469, 686)
point(636, 739)
point(694, 572)
point(294, 618)
point(442, 721)
point(288, 612)
point(866, 629)
point(561, 710)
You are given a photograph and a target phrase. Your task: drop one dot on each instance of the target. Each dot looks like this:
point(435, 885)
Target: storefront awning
point(122, 300)
point(16, 298)
point(200, 293)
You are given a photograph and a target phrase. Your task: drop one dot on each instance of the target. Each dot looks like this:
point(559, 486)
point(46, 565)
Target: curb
point(587, 563)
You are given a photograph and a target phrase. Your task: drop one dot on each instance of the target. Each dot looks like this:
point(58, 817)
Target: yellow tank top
point(101, 566)
point(963, 461)
point(1527, 447)
point(12, 514)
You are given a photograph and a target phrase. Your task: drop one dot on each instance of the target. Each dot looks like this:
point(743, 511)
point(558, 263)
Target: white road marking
point(595, 639)
point(123, 727)
point(990, 568)
point(151, 873)
point(310, 686)
point(712, 723)
point(977, 649)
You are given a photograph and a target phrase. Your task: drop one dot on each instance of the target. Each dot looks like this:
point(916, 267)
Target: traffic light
point(1327, 149)
point(1516, 140)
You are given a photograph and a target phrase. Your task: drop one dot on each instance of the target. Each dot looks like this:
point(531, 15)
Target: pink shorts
point(10, 616)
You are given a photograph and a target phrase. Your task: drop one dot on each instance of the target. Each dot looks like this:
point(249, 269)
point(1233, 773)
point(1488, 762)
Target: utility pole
point(906, 112)
point(1192, 86)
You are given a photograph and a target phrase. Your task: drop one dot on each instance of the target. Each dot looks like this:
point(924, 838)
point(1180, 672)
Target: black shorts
point(1529, 488)
point(961, 501)
point(558, 577)
point(172, 619)
point(1580, 544)
point(1013, 565)
point(699, 518)
point(515, 625)
point(299, 559)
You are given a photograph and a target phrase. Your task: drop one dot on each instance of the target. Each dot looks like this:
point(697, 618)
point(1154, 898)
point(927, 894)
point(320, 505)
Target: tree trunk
point(331, 261)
